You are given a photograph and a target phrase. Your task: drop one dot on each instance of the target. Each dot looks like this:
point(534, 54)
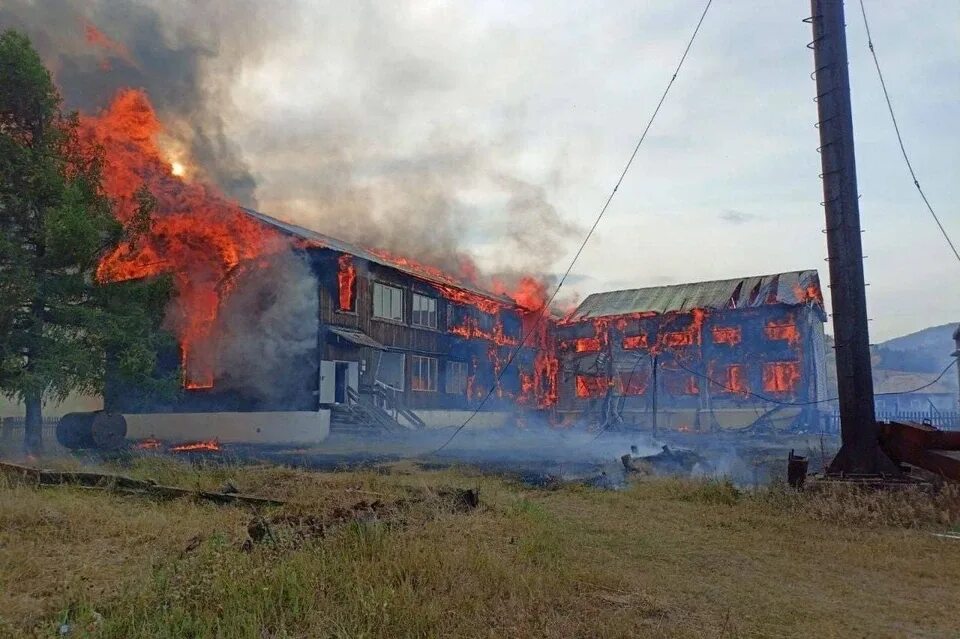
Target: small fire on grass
point(210, 445)
point(206, 446)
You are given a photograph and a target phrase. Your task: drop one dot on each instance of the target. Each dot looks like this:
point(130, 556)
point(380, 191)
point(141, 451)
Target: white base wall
point(300, 427)
point(483, 419)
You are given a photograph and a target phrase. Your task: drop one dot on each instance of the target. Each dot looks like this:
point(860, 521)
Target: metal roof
point(317, 239)
point(793, 288)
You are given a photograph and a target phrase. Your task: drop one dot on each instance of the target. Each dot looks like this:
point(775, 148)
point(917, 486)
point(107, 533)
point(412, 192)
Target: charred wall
point(706, 362)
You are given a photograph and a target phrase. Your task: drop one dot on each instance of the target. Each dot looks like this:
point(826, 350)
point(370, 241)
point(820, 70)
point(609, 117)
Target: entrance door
point(342, 380)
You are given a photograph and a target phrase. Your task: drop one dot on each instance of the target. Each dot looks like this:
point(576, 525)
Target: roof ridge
point(701, 282)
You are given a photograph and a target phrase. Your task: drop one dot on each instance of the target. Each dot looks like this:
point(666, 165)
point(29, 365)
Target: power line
point(589, 234)
point(896, 128)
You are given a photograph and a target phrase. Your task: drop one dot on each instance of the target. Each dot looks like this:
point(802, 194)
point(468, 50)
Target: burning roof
point(430, 274)
point(793, 289)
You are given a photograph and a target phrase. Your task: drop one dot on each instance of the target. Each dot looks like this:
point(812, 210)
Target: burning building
point(701, 356)
point(332, 328)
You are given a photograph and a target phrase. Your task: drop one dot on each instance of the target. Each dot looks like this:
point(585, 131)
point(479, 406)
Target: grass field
point(663, 557)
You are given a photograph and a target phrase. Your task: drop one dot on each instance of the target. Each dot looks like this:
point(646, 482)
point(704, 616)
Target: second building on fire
point(701, 356)
point(331, 329)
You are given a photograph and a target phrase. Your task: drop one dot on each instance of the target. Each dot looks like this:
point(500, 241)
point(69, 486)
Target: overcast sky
point(726, 185)
point(499, 128)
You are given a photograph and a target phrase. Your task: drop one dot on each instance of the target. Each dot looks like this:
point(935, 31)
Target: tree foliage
point(58, 325)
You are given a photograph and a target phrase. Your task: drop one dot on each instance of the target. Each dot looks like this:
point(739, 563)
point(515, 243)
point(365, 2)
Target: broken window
point(631, 342)
point(423, 373)
point(346, 282)
point(592, 385)
point(456, 378)
point(424, 311)
point(387, 302)
point(781, 377)
point(727, 335)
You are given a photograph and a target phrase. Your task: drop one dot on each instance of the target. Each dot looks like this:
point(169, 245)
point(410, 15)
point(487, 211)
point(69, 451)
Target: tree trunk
point(33, 424)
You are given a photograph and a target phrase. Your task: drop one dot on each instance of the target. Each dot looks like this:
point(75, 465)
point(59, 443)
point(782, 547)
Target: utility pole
point(860, 450)
point(655, 361)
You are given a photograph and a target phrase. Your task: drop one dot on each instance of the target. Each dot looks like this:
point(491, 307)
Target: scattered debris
point(667, 461)
point(121, 483)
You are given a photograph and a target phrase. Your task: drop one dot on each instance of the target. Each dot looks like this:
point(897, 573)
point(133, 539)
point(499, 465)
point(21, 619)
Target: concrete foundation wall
point(483, 419)
point(300, 427)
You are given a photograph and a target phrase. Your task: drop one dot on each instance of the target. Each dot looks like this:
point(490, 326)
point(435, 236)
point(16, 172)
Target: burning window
point(424, 311)
point(680, 384)
point(456, 378)
point(346, 281)
point(423, 373)
point(781, 377)
point(727, 335)
point(592, 385)
point(387, 302)
point(635, 341)
point(587, 344)
point(736, 380)
point(784, 329)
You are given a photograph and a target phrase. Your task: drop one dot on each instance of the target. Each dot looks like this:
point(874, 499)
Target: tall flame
point(195, 233)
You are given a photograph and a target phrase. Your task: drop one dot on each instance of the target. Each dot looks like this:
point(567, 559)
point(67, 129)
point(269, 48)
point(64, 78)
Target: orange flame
point(346, 278)
point(781, 377)
point(727, 335)
point(195, 233)
point(210, 445)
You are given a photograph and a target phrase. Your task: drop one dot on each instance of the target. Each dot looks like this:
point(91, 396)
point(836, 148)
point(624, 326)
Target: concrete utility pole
point(860, 451)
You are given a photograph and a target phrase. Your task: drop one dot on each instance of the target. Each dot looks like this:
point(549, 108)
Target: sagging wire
point(583, 244)
point(896, 128)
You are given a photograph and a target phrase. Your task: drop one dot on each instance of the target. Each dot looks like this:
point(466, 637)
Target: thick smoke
point(372, 122)
point(170, 49)
point(267, 330)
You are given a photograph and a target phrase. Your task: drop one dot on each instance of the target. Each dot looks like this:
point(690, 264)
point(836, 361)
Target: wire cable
point(586, 239)
point(896, 128)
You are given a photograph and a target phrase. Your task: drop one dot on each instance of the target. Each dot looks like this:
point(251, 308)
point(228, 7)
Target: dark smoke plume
point(366, 126)
point(170, 49)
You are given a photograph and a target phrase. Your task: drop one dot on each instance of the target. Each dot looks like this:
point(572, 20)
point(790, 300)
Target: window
point(424, 311)
point(423, 373)
point(387, 302)
point(456, 381)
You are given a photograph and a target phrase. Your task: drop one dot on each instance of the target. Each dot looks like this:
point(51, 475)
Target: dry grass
point(662, 558)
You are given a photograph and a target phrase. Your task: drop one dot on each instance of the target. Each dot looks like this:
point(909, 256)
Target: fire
point(96, 38)
point(631, 342)
point(727, 335)
point(346, 279)
point(782, 330)
point(178, 169)
point(148, 444)
point(210, 445)
point(736, 380)
point(587, 344)
point(781, 377)
point(194, 233)
point(592, 385)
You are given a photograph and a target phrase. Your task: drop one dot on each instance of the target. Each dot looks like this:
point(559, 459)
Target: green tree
point(56, 323)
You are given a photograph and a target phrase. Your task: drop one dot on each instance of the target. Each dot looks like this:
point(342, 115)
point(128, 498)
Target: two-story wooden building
point(698, 356)
point(329, 325)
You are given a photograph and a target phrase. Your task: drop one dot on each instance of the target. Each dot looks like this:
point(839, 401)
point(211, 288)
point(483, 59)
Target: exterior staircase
point(361, 416)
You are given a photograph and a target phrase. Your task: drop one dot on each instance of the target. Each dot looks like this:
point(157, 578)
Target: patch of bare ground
point(397, 553)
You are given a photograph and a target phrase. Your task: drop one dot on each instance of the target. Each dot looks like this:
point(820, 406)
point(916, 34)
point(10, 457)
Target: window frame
point(379, 287)
point(462, 375)
point(415, 312)
point(416, 367)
